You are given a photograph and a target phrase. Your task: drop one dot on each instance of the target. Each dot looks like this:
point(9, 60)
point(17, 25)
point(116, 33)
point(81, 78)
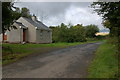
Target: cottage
point(29, 30)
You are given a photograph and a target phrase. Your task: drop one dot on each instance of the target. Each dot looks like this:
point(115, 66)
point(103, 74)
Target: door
point(4, 37)
point(24, 35)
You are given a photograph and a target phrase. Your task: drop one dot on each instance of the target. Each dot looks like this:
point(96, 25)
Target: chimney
point(34, 18)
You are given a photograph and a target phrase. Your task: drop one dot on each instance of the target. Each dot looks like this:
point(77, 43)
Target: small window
point(41, 32)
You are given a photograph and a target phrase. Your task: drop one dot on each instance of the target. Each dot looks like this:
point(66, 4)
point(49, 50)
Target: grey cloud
point(50, 8)
point(56, 12)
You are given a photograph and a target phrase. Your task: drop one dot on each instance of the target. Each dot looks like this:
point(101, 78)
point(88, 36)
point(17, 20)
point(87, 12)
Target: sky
point(55, 13)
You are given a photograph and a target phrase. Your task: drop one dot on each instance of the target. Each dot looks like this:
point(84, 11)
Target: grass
point(105, 63)
point(14, 52)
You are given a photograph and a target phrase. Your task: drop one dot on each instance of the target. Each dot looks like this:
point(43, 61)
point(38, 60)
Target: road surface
point(72, 62)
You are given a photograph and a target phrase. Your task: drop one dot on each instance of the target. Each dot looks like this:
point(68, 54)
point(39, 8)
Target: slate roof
point(20, 24)
point(37, 24)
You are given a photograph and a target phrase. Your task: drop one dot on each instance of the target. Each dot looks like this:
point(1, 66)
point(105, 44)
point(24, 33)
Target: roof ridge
point(37, 24)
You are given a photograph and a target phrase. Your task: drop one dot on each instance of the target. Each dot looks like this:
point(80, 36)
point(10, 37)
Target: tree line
point(76, 33)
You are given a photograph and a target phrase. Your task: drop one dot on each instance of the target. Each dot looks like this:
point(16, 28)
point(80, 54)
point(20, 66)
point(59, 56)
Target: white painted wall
point(1, 37)
point(31, 31)
point(15, 36)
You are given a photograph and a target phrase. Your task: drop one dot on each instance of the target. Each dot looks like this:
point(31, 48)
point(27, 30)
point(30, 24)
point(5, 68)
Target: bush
point(64, 34)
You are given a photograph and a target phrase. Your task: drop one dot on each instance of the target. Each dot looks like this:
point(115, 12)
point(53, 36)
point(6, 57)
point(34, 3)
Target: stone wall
point(44, 36)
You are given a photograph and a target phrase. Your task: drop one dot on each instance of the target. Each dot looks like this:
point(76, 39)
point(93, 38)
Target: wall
point(1, 37)
point(30, 32)
point(44, 36)
point(15, 35)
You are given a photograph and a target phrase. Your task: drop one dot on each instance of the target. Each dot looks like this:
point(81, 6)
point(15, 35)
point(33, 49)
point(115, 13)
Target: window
point(41, 32)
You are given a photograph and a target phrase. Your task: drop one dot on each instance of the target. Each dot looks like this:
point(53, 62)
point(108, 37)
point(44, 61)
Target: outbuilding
point(29, 30)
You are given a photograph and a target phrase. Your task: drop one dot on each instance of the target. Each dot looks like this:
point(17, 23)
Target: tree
point(10, 14)
point(55, 33)
point(90, 31)
point(110, 12)
point(25, 12)
point(0, 17)
point(64, 34)
point(16, 14)
point(6, 15)
point(77, 33)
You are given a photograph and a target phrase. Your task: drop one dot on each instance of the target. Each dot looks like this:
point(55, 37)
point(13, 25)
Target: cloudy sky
point(55, 13)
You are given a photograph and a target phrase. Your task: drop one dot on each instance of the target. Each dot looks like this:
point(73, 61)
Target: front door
point(24, 35)
point(4, 37)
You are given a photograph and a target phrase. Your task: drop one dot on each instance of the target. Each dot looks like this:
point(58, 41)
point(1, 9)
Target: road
point(72, 62)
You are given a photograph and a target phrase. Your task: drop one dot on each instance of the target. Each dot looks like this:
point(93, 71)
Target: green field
point(105, 63)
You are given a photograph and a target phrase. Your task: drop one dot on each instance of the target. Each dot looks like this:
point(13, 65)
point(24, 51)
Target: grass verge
point(105, 63)
point(14, 52)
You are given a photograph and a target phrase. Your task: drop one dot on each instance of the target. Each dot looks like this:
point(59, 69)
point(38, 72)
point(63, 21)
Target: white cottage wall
point(33, 33)
point(30, 32)
point(15, 35)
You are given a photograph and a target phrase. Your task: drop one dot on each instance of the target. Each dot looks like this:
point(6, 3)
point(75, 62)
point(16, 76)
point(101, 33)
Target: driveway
point(72, 62)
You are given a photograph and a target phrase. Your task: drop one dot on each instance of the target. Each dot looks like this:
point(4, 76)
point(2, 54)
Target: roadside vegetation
point(105, 63)
point(14, 52)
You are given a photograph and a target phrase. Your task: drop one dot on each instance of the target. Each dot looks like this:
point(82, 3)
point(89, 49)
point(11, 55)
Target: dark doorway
point(24, 35)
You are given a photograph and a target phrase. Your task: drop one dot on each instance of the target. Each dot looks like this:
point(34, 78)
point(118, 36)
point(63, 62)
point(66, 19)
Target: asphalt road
point(72, 62)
